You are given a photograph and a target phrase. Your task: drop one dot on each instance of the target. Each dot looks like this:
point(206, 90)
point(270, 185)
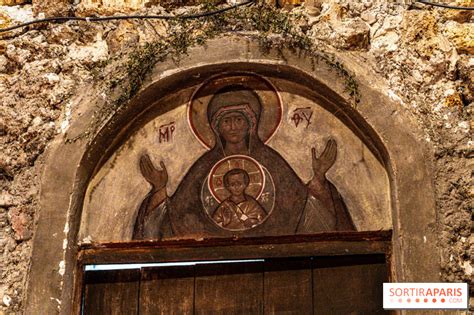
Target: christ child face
point(236, 184)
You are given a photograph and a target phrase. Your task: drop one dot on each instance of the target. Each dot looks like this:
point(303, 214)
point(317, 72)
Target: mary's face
point(234, 127)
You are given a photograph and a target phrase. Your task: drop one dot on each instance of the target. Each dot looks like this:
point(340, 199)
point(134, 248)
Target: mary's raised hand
point(325, 161)
point(158, 178)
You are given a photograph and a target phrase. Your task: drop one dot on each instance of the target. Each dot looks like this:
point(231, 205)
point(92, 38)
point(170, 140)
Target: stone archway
point(383, 125)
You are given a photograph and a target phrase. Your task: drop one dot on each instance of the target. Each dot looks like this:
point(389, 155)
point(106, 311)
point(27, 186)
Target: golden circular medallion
point(245, 163)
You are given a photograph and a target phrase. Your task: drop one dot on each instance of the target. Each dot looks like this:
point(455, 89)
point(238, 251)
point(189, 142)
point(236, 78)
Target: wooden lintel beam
point(251, 248)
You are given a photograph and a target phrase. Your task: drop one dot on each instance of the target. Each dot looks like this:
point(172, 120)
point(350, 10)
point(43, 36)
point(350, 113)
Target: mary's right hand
point(157, 178)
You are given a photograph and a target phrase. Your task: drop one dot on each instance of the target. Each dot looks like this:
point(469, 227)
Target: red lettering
point(165, 133)
point(435, 291)
point(405, 292)
point(442, 292)
point(391, 292)
point(458, 292)
point(398, 292)
point(450, 292)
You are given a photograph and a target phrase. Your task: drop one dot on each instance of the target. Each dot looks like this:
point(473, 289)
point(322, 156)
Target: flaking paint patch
point(394, 96)
point(6, 300)
point(64, 128)
point(467, 267)
point(62, 267)
point(169, 72)
point(87, 240)
point(57, 300)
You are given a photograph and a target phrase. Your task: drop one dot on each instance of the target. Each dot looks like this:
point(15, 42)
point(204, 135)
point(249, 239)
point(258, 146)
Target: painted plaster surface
point(116, 192)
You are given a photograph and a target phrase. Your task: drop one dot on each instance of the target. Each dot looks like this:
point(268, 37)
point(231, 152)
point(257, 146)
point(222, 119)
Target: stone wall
point(423, 55)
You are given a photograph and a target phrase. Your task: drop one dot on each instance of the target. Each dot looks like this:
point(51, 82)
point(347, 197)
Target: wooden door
point(310, 285)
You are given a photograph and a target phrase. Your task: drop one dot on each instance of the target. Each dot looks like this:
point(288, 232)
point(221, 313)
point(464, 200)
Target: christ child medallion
point(238, 194)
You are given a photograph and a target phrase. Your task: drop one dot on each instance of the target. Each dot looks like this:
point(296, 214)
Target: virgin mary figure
point(233, 114)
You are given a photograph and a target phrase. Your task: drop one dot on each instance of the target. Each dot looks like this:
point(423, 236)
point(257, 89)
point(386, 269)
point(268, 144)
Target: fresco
point(237, 156)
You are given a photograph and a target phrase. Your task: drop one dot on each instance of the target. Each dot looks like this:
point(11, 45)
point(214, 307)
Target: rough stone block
point(462, 36)
point(14, 2)
point(52, 7)
point(461, 16)
point(6, 200)
point(20, 223)
point(354, 34)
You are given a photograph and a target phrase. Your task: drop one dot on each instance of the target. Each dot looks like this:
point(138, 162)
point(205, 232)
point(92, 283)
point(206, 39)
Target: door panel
point(113, 292)
point(288, 286)
point(349, 285)
point(167, 290)
point(229, 289)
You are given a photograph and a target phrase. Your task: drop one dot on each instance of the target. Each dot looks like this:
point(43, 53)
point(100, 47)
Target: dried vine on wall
point(272, 28)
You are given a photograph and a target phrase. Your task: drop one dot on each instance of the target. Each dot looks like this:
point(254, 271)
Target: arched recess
point(384, 125)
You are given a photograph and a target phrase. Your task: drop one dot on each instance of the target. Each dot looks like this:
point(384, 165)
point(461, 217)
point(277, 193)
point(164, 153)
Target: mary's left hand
point(322, 164)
